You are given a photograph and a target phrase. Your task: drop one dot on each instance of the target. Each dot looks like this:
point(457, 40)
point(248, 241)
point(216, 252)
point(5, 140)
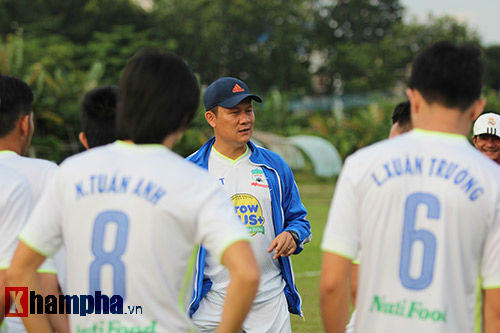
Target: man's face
point(234, 126)
point(489, 145)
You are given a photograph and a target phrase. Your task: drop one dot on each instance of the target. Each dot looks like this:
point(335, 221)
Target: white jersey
point(424, 209)
point(38, 172)
point(131, 217)
point(247, 186)
point(16, 203)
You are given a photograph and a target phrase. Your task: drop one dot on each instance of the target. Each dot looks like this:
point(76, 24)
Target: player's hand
point(283, 244)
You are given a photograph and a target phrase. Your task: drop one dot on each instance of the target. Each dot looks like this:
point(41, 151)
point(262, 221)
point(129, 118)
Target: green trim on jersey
point(236, 240)
point(478, 315)
point(189, 273)
point(141, 145)
point(339, 254)
point(47, 271)
point(440, 134)
point(355, 262)
point(497, 286)
point(7, 152)
point(32, 246)
point(186, 284)
point(230, 159)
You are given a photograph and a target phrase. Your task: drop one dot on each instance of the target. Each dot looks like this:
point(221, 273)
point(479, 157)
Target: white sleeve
point(490, 267)
point(218, 226)
point(43, 231)
point(341, 231)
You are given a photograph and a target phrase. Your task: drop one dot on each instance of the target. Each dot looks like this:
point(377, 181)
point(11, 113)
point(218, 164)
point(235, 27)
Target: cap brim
point(235, 100)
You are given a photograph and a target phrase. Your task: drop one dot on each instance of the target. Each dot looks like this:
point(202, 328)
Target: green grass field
point(316, 195)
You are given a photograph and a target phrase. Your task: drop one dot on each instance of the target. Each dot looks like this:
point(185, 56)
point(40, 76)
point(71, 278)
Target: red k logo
point(20, 295)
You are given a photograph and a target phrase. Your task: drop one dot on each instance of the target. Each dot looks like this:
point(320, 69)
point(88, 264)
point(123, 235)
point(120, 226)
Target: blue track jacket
point(288, 214)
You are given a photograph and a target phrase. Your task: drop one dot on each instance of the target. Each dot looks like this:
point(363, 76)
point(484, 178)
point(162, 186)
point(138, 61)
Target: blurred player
point(401, 120)
point(132, 213)
point(401, 123)
point(486, 135)
point(98, 117)
point(423, 209)
point(16, 203)
point(16, 131)
point(267, 201)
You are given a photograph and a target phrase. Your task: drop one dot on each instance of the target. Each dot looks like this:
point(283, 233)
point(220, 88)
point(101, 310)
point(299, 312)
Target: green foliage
point(259, 41)
point(492, 67)
point(77, 20)
point(364, 126)
point(274, 114)
point(492, 100)
point(57, 98)
point(116, 47)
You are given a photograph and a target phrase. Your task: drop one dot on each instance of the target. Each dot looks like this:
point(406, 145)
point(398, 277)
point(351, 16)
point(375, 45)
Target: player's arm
point(353, 280)
point(297, 229)
point(244, 272)
point(491, 310)
point(3, 284)
point(334, 292)
point(50, 286)
point(22, 273)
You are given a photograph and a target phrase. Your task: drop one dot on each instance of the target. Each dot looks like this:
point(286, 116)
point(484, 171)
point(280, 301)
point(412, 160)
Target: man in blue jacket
point(266, 200)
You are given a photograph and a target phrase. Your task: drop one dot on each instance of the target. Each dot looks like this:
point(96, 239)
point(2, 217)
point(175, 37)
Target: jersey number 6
point(113, 257)
point(410, 235)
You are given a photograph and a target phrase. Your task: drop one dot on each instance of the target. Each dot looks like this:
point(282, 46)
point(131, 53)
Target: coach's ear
point(210, 117)
point(83, 139)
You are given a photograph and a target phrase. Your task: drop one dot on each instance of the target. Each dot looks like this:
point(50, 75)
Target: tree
point(262, 42)
point(75, 19)
point(492, 67)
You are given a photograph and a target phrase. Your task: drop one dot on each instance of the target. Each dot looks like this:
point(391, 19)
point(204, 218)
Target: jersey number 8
point(112, 257)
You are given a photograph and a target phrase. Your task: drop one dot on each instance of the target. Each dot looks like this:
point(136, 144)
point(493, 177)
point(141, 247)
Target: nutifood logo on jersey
point(258, 178)
point(249, 211)
point(406, 308)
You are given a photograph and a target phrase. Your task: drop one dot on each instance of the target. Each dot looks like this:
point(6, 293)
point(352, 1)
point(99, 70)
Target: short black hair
point(99, 114)
point(159, 95)
point(448, 74)
point(401, 114)
point(16, 99)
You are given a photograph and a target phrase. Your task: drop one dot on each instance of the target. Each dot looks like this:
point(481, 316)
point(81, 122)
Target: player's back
point(16, 203)
point(131, 216)
point(37, 171)
point(428, 203)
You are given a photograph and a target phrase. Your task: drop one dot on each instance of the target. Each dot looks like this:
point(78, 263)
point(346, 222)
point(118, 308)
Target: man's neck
point(232, 152)
point(441, 119)
point(7, 144)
